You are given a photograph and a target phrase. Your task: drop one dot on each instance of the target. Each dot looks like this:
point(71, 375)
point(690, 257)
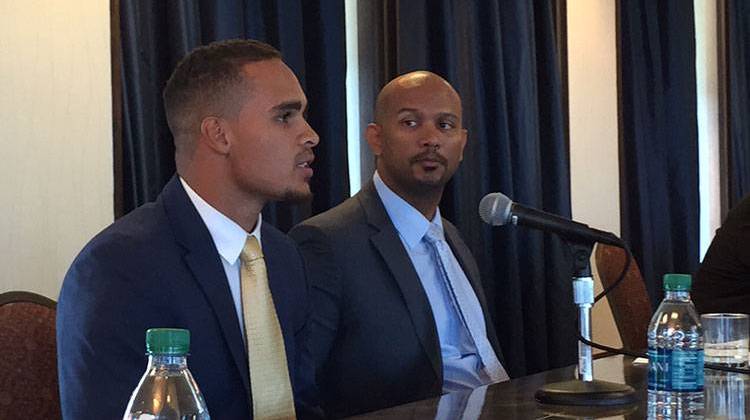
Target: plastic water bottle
point(675, 351)
point(167, 390)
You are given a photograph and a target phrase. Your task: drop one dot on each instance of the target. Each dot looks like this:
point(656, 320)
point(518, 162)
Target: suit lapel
point(463, 256)
point(204, 262)
point(387, 242)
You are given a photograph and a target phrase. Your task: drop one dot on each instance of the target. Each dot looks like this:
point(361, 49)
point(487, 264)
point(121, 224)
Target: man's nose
point(310, 138)
point(430, 137)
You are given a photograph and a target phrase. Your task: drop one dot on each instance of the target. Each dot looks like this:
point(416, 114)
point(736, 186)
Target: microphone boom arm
point(566, 228)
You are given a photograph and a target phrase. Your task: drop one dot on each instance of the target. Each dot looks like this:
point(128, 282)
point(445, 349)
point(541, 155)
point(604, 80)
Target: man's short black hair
point(208, 81)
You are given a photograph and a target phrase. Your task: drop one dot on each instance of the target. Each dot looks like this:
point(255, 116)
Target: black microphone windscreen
point(494, 209)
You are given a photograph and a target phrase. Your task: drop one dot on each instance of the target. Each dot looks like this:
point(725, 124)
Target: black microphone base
point(577, 392)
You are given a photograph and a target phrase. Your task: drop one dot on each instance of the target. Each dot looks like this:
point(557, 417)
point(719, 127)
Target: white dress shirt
point(229, 239)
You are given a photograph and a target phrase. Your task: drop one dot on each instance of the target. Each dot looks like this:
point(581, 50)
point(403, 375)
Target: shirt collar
point(408, 221)
point(228, 236)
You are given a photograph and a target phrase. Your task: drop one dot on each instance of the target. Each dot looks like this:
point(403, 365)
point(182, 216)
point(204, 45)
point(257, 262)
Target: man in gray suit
point(399, 311)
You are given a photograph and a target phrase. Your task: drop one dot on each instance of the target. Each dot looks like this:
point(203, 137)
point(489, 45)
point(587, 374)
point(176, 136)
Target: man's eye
point(447, 125)
point(285, 117)
point(409, 123)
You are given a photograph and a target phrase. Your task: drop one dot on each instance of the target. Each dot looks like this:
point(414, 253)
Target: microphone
point(496, 209)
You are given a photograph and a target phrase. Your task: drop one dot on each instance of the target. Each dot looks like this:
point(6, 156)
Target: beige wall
point(56, 119)
point(592, 91)
point(707, 92)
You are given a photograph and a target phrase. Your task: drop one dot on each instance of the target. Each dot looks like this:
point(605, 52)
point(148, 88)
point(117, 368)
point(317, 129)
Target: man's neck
point(427, 207)
point(244, 212)
point(425, 201)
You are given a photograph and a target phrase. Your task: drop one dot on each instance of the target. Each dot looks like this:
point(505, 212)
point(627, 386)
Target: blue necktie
point(465, 302)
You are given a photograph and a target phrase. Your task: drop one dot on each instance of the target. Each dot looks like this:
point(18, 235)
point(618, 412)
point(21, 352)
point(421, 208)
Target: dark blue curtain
point(155, 35)
point(658, 137)
point(738, 95)
point(502, 58)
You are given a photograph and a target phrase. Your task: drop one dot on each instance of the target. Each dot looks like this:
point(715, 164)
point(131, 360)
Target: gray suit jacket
point(373, 338)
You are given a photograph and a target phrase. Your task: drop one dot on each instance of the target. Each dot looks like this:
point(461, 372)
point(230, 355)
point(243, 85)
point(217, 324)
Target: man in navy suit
point(399, 311)
point(236, 114)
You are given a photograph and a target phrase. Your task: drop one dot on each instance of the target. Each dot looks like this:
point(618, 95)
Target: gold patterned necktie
point(269, 375)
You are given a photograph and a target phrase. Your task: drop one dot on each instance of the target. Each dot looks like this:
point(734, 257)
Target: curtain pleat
point(658, 137)
point(738, 92)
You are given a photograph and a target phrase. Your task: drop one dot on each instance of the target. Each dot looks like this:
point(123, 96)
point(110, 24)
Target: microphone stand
point(585, 390)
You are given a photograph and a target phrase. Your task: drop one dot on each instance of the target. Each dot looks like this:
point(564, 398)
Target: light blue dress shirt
point(462, 366)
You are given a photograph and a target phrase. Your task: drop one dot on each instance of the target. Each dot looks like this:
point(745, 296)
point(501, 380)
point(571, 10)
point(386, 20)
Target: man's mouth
point(430, 158)
point(305, 159)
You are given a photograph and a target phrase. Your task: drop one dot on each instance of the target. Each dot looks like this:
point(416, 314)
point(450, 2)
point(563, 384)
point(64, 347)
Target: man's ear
point(464, 135)
point(215, 135)
point(374, 139)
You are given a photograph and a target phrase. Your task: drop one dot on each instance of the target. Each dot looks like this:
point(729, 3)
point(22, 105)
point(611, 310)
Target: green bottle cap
point(677, 282)
point(170, 341)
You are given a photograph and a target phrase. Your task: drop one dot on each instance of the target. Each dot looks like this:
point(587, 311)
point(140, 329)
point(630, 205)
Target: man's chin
point(432, 180)
point(436, 176)
point(295, 196)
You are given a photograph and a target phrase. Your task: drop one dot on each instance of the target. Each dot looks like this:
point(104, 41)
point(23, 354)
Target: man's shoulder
point(139, 226)
point(277, 240)
point(338, 219)
point(142, 235)
point(452, 230)
point(449, 226)
point(739, 215)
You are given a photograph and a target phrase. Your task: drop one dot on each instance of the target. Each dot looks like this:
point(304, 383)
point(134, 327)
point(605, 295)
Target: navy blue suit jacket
point(158, 267)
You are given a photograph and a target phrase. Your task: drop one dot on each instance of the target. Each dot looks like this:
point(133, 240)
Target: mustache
point(430, 155)
point(305, 156)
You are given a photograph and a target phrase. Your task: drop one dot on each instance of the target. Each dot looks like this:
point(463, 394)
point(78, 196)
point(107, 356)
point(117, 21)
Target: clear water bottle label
point(659, 369)
point(687, 370)
point(675, 370)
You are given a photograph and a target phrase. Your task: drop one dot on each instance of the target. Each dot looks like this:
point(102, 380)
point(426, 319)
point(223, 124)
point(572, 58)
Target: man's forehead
point(420, 88)
point(261, 67)
point(270, 72)
point(422, 98)
point(273, 81)
point(414, 80)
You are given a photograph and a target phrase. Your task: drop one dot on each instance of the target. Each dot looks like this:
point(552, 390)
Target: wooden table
point(725, 397)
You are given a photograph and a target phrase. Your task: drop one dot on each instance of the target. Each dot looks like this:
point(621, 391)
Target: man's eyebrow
point(288, 106)
point(448, 115)
point(416, 111)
